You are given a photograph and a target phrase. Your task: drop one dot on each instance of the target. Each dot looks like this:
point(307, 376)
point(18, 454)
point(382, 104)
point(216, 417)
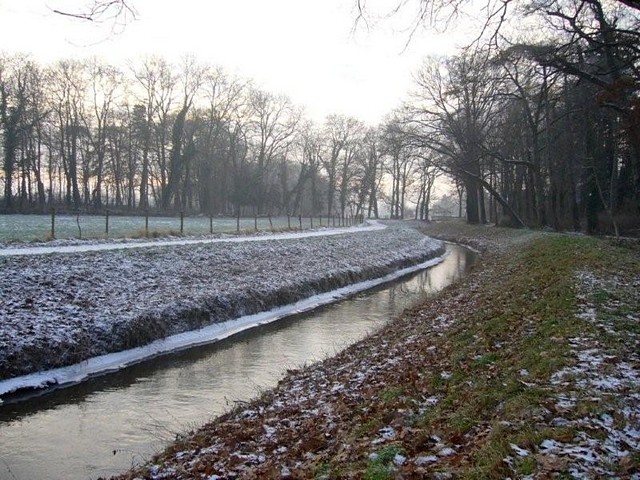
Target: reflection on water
point(100, 427)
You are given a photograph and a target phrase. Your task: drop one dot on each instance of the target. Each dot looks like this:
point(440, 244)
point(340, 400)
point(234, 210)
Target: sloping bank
point(61, 309)
point(529, 367)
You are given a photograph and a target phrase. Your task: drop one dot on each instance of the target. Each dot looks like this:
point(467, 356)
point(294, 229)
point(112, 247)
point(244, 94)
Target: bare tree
point(67, 102)
point(180, 161)
point(340, 136)
point(33, 133)
point(372, 168)
point(147, 76)
point(13, 107)
point(163, 102)
point(273, 125)
point(224, 98)
point(105, 80)
point(427, 171)
point(350, 167)
point(193, 139)
point(455, 113)
point(311, 146)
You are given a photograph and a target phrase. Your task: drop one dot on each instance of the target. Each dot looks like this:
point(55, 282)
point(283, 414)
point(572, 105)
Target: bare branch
point(119, 11)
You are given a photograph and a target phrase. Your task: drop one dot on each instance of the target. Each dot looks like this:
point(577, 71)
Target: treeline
point(541, 129)
point(85, 135)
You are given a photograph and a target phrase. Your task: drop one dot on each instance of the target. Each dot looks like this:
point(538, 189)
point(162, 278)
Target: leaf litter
point(391, 405)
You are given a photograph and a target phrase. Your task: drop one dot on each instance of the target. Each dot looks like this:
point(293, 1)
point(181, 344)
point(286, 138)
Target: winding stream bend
point(102, 426)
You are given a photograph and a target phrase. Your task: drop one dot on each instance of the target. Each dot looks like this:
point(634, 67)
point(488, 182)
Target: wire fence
point(29, 228)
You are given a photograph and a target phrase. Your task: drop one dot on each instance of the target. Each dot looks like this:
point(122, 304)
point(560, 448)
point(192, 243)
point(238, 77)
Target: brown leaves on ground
point(423, 398)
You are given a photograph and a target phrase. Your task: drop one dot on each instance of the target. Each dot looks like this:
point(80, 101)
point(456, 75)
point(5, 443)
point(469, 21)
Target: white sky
point(302, 48)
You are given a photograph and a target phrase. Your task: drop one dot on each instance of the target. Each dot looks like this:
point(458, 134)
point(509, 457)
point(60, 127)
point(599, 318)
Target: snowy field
point(62, 308)
point(28, 228)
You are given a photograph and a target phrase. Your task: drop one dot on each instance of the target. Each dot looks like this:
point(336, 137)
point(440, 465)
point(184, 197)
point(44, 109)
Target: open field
point(28, 228)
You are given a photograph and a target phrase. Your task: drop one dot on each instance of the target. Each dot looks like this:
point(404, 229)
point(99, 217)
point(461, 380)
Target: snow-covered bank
point(62, 309)
point(115, 361)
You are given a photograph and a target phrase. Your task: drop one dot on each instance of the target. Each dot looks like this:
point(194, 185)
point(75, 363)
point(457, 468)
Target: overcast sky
point(305, 49)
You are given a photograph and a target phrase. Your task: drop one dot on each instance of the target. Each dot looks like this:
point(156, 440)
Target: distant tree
point(224, 99)
point(350, 165)
point(427, 171)
point(86, 135)
point(104, 81)
point(165, 82)
point(67, 102)
point(373, 169)
point(310, 139)
point(33, 138)
point(123, 158)
point(179, 160)
point(13, 107)
point(340, 136)
point(274, 121)
point(400, 160)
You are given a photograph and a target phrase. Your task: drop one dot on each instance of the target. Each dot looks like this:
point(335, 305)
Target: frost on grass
point(605, 375)
point(367, 407)
point(347, 409)
point(60, 309)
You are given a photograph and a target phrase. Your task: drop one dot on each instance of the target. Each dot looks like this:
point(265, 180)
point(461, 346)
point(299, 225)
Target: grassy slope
point(521, 330)
point(498, 364)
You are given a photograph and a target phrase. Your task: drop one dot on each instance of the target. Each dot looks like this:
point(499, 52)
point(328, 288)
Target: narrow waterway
point(102, 426)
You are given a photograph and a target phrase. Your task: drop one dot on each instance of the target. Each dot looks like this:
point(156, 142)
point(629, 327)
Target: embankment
point(527, 368)
point(63, 308)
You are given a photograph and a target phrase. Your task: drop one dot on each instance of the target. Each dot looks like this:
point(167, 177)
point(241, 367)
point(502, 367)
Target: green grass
point(381, 468)
point(391, 393)
point(528, 315)
point(323, 471)
point(526, 466)
point(368, 427)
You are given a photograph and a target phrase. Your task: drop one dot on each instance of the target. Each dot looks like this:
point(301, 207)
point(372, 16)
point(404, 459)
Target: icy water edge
point(103, 426)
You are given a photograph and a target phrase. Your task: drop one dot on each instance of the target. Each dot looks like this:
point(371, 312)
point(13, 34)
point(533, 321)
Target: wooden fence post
point(78, 223)
point(181, 223)
point(146, 222)
point(53, 223)
point(106, 226)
